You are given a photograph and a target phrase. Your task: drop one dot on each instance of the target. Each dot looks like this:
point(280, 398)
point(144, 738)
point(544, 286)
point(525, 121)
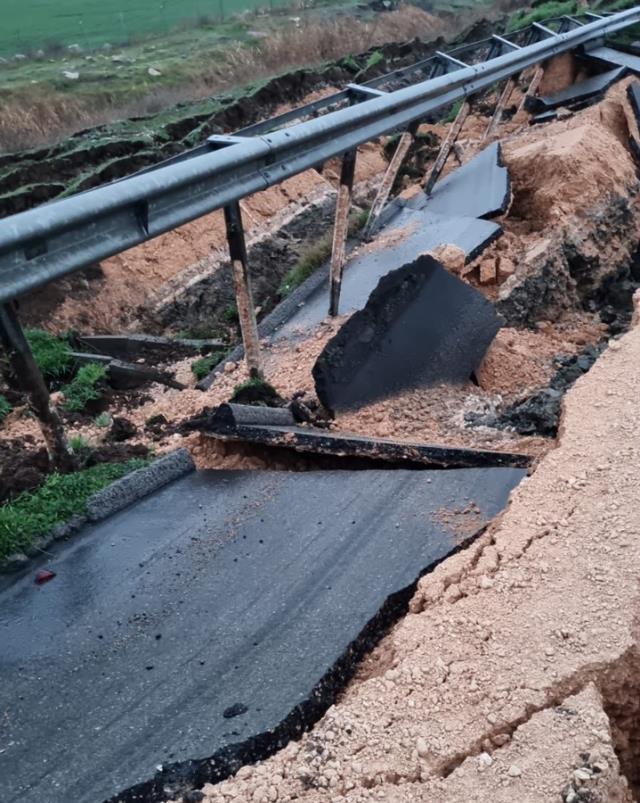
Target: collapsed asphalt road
point(453, 214)
point(225, 606)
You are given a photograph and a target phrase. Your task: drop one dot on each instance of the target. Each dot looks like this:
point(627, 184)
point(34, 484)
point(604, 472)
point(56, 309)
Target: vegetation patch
point(61, 496)
point(85, 387)
point(317, 254)
point(555, 8)
point(203, 366)
point(5, 408)
point(256, 391)
point(52, 354)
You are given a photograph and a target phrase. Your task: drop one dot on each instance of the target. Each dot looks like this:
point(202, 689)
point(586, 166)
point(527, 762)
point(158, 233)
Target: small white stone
point(485, 760)
point(153, 72)
point(582, 774)
point(514, 771)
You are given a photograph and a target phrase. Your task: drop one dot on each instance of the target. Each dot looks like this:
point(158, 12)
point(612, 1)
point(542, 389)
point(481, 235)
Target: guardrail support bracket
point(32, 382)
point(341, 228)
point(242, 282)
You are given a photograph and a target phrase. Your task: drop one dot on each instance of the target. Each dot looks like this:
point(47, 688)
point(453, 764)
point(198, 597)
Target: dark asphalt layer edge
point(173, 780)
point(109, 500)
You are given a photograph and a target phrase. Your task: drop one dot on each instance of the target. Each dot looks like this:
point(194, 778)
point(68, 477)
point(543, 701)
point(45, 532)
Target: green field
point(28, 25)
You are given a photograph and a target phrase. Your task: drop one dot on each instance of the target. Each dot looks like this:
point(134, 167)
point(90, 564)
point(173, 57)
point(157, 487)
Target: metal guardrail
point(48, 242)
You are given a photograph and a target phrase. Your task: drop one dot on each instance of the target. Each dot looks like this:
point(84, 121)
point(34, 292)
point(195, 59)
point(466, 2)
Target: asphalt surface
point(418, 231)
point(479, 188)
point(422, 326)
point(198, 617)
point(452, 214)
point(612, 56)
point(592, 87)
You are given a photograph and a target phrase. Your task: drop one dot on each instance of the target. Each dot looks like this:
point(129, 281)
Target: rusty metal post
point(406, 141)
point(533, 86)
point(445, 148)
point(32, 382)
point(508, 88)
point(242, 282)
point(341, 228)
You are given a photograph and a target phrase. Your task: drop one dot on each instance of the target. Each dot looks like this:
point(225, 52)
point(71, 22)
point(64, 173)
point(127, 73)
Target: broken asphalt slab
point(589, 90)
point(230, 423)
point(480, 188)
point(412, 232)
point(611, 56)
point(421, 327)
point(214, 619)
point(454, 214)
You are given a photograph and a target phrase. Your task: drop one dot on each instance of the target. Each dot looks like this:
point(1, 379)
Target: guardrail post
point(341, 228)
point(445, 148)
point(32, 382)
point(533, 86)
point(407, 139)
point(242, 282)
point(508, 88)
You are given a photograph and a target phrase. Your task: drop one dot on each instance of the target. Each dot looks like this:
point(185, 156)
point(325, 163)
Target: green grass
point(453, 111)
point(203, 366)
point(83, 388)
point(254, 391)
point(555, 8)
point(61, 496)
point(103, 420)
point(52, 354)
point(316, 255)
point(53, 24)
point(5, 408)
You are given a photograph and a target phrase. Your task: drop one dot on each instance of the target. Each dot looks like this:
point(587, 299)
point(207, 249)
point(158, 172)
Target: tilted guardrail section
point(46, 243)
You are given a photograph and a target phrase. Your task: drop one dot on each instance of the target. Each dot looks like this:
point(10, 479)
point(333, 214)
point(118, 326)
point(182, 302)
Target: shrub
point(52, 354)
point(203, 366)
point(60, 497)
point(5, 408)
point(83, 388)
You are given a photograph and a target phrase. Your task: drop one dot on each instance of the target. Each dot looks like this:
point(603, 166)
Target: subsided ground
point(514, 676)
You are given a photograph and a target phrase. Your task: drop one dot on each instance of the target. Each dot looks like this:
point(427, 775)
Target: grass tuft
point(203, 366)
point(317, 254)
point(83, 388)
point(52, 354)
point(61, 496)
point(103, 420)
point(5, 408)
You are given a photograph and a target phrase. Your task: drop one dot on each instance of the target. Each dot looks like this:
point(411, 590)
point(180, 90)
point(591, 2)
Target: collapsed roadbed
point(450, 697)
